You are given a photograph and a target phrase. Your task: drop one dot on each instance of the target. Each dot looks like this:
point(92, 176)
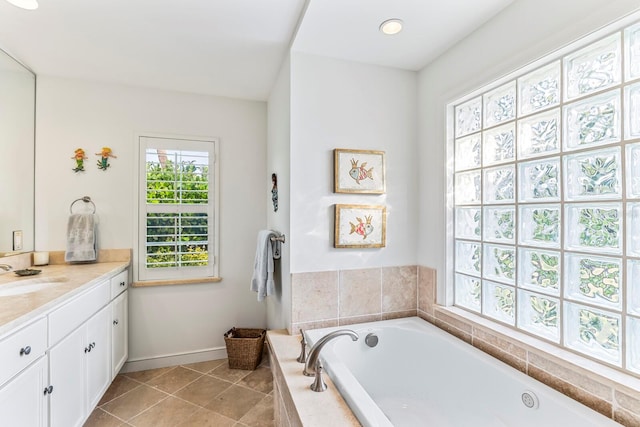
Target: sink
point(28, 286)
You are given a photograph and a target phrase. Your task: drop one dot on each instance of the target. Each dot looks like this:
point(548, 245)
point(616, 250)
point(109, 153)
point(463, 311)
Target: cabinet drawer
point(21, 348)
point(119, 283)
point(76, 312)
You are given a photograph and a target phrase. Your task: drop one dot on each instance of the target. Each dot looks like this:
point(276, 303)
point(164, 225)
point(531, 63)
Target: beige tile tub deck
point(298, 404)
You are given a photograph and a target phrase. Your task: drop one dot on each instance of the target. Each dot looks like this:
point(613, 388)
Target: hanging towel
point(262, 280)
point(81, 238)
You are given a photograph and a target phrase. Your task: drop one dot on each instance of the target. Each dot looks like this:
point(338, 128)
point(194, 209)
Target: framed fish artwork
point(358, 171)
point(360, 226)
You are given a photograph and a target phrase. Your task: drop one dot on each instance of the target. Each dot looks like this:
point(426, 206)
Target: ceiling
point(228, 48)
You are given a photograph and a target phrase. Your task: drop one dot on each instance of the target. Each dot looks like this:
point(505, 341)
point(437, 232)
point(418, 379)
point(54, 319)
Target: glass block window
point(545, 174)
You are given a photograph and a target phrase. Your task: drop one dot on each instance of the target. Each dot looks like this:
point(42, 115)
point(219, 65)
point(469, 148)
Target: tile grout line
point(128, 391)
point(197, 406)
point(147, 409)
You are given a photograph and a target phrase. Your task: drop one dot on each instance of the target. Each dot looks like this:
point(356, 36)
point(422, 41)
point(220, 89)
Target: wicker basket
point(244, 347)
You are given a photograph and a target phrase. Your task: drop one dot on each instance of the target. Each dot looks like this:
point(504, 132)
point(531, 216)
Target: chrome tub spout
point(313, 363)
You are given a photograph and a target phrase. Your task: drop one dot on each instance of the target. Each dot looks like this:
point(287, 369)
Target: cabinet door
point(98, 360)
point(67, 377)
point(23, 401)
point(119, 332)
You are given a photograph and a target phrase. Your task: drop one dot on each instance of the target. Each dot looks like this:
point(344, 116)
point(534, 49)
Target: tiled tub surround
point(338, 298)
point(605, 390)
point(334, 298)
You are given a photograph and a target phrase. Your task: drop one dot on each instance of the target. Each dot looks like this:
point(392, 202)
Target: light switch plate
point(17, 240)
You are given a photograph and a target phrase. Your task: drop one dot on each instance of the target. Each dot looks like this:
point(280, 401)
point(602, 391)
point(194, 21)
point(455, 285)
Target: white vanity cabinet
point(21, 348)
point(80, 364)
point(23, 392)
point(119, 321)
point(119, 283)
point(24, 400)
point(67, 400)
point(80, 371)
point(119, 332)
point(55, 370)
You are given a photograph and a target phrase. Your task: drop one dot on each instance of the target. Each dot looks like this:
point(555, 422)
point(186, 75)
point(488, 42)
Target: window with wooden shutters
point(178, 209)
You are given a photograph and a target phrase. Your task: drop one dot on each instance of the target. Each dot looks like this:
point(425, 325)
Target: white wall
point(278, 162)
point(344, 104)
point(71, 113)
point(522, 33)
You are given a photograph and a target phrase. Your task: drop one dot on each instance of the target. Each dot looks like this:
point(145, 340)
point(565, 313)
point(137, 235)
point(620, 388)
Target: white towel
point(262, 280)
point(81, 238)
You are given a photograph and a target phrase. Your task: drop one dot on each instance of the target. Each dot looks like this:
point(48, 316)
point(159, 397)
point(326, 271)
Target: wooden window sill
point(189, 281)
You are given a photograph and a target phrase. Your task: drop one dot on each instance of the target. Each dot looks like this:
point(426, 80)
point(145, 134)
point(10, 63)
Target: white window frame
point(210, 144)
point(448, 298)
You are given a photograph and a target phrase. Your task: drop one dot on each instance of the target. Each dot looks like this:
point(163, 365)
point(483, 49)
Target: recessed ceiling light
point(391, 26)
point(25, 4)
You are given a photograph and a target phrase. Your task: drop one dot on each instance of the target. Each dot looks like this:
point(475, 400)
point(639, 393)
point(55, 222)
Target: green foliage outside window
point(183, 182)
point(177, 239)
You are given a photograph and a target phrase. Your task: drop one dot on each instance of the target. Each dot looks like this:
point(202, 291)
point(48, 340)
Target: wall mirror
point(17, 155)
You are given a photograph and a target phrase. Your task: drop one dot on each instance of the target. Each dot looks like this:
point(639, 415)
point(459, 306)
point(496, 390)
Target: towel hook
point(85, 199)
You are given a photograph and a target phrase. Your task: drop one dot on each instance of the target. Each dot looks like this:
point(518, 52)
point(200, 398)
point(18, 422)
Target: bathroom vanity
point(63, 339)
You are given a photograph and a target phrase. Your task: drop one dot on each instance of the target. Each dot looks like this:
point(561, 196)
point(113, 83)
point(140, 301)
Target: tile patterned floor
point(195, 395)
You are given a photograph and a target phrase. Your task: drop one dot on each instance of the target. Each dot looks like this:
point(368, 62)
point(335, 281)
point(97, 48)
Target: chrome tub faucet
point(302, 358)
point(313, 361)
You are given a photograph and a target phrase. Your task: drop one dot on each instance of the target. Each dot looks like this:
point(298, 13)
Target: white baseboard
point(142, 364)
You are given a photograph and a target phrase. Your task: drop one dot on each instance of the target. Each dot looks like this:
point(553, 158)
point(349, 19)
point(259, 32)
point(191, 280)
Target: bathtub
point(418, 375)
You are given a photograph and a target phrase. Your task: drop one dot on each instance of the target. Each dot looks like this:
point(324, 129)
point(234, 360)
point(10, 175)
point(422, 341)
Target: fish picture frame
point(360, 226)
point(358, 171)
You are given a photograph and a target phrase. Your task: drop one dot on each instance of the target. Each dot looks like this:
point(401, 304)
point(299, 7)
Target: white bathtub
point(418, 375)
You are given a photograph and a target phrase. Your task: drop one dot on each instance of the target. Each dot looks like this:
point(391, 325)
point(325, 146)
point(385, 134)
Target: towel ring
point(85, 199)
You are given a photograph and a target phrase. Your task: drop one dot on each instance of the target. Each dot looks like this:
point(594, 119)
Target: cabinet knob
point(115, 322)
point(25, 350)
point(48, 390)
point(123, 283)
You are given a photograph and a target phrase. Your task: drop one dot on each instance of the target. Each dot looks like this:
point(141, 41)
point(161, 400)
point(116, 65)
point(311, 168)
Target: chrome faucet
point(6, 267)
point(302, 358)
point(313, 361)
